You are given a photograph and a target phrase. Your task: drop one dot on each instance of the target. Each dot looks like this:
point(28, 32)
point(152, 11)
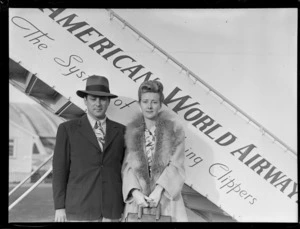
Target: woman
point(153, 168)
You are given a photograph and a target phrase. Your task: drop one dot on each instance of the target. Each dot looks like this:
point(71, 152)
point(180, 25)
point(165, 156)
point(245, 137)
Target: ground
point(37, 206)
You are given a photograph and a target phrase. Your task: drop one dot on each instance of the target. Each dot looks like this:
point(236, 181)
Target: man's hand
point(140, 198)
point(60, 215)
point(155, 196)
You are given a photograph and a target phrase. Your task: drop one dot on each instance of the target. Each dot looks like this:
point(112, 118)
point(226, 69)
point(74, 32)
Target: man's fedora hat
point(96, 85)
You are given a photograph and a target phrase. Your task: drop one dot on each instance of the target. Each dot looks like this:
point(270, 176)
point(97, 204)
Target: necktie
point(150, 144)
point(99, 134)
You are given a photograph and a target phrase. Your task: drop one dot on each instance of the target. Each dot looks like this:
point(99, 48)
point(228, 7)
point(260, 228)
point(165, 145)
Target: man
point(87, 161)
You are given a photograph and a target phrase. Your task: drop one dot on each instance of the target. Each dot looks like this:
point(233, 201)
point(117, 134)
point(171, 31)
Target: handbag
point(141, 217)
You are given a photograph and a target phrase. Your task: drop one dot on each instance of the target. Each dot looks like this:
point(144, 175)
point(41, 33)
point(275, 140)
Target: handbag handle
point(140, 211)
point(157, 213)
point(158, 209)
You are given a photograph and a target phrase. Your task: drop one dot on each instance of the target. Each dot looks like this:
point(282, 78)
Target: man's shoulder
point(71, 122)
point(119, 125)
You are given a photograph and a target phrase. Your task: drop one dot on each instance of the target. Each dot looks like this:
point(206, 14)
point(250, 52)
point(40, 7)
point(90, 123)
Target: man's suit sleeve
point(61, 163)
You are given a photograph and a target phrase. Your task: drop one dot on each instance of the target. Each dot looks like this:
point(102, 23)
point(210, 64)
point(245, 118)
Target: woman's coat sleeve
point(173, 176)
point(129, 179)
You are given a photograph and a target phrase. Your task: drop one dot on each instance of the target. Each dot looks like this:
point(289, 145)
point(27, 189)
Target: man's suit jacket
point(86, 181)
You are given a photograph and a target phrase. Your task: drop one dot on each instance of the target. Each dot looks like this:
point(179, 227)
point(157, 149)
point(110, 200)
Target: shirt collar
point(152, 129)
point(93, 121)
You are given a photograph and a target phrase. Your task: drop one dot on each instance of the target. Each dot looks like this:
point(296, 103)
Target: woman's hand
point(140, 198)
point(155, 196)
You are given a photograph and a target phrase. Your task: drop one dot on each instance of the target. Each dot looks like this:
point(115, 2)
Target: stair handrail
point(189, 72)
point(30, 175)
point(30, 189)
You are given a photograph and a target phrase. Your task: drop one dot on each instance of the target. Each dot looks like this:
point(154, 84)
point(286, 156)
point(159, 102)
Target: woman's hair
point(152, 86)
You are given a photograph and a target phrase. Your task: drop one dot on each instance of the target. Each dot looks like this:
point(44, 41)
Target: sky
point(247, 55)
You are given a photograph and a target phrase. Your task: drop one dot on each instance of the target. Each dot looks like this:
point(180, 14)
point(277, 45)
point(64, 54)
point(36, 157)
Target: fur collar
point(168, 136)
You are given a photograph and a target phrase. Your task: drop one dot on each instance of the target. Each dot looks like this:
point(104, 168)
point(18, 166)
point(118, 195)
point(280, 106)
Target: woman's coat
point(167, 168)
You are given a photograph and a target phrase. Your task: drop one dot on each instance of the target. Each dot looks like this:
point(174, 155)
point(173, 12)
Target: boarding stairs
point(53, 98)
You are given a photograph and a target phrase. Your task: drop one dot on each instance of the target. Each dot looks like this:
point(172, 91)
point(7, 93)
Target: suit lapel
point(87, 131)
point(111, 132)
